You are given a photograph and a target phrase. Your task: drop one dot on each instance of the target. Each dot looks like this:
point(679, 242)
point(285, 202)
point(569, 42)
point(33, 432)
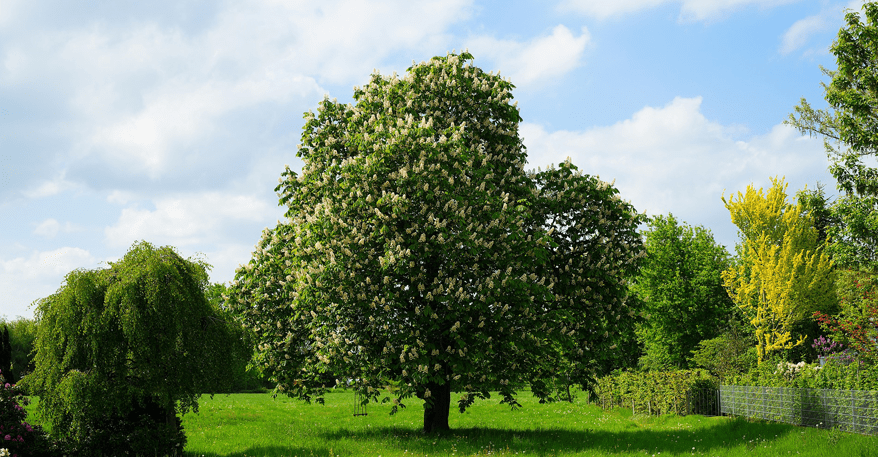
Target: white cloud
point(673, 159)
point(176, 117)
point(25, 279)
point(120, 197)
point(8, 10)
point(797, 35)
point(343, 40)
point(49, 188)
point(227, 259)
point(856, 5)
point(699, 10)
point(604, 9)
point(690, 10)
point(541, 58)
point(186, 220)
point(49, 228)
point(144, 94)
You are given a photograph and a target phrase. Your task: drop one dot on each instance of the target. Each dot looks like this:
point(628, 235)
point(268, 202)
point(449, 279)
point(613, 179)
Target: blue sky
point(171, 121)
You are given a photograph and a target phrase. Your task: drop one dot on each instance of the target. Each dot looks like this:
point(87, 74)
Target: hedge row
point(835, 374)
point(659, 392)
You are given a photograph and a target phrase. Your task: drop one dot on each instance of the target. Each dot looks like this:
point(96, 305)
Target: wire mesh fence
point(705, 402)
point(849, 410)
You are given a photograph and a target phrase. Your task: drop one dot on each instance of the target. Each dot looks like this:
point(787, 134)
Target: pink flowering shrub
point(833, 351)
point(19, 437)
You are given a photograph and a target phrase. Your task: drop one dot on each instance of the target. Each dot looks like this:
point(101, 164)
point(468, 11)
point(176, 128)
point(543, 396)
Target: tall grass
point(257, 425)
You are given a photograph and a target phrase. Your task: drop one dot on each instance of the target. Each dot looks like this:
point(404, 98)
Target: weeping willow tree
point(121, 350)
point(419, 257)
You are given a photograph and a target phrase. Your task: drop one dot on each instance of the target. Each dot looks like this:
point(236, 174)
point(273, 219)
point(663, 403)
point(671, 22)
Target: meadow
point(257, 425)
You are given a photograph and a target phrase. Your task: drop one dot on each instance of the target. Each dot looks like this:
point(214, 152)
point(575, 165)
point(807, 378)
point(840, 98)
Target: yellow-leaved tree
point(783, 275)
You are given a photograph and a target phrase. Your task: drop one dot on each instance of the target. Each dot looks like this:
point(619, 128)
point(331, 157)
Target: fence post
point(853, 412)
point(829, 419)
point(764, 403)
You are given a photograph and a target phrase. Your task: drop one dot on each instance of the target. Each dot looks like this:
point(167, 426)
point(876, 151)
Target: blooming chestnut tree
point(419, 258)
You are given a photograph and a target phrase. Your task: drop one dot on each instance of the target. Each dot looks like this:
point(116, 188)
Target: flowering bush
point(826, 346)
point(857, 323)
point(857, 376)
point(17, 436)
point(831, 351)
point(791, 371)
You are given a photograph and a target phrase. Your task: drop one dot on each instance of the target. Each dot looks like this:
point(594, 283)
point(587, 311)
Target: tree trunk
point(436, 414)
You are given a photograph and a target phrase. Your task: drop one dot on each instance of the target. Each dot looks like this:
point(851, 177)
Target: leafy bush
point(145, 426)
point(725, 356)
point(836, 373)
point(655, 392)
point(16, 435)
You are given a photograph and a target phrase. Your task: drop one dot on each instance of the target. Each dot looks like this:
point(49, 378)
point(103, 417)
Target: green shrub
point(657, 392)
point(835, 374)
point(728, 355)
point(144, 426)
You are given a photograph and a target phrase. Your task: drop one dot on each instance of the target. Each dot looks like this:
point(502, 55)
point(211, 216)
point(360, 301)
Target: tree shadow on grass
point(723, 434)
point(272, 451)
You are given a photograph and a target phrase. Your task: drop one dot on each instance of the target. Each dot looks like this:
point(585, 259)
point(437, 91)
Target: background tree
point(573, 210)
point(851, 124)
point(729, 354)
point(6, 354)
point(244, 378)
point(22, 333)
point(120, 350)
point(783, 275)
point(418, 254)
point(681, 287)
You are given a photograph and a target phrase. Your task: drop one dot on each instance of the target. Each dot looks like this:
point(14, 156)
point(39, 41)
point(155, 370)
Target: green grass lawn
point(257, 425)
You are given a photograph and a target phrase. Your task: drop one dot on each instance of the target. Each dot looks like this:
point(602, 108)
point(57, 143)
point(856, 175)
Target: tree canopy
point(681, 287)
point(419, 254)
point(850, 136)
point(22, 333)
point(130, 343)
point(783, 276)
